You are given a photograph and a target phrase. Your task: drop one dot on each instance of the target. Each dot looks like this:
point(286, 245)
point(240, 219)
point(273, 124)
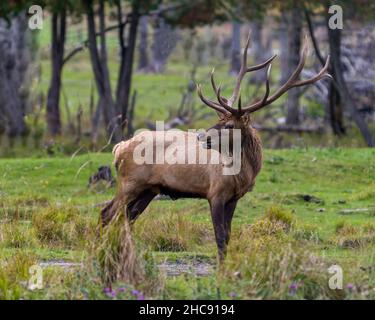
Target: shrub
point(61, 226)
point(276, 270)
point(172, 232)
point(343, 228)
point(306, 232)
point(276, 214)
point(17, 235)
point(14, 274)
point(352, 237)
point(116, 253)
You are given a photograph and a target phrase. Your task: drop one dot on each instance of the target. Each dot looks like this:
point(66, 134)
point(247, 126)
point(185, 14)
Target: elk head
point(239, 118)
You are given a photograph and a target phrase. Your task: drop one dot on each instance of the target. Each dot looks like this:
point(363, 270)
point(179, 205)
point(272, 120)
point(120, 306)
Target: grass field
point(311, 208)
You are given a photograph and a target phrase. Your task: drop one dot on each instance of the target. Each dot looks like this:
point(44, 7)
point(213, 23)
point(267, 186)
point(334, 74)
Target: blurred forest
point(99, 70)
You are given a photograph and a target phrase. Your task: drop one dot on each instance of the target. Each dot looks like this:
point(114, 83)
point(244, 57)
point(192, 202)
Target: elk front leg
point(229, 211)
point(217, 214)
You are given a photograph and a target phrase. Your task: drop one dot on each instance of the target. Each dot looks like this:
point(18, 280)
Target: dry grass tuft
point(65, 226)
point(16, 235)
point(172, 232)
point(116, 253)
point(14, 273)
point(353, 237)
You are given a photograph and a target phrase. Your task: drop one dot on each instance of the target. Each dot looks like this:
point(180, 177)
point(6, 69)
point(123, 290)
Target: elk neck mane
point(251, 149)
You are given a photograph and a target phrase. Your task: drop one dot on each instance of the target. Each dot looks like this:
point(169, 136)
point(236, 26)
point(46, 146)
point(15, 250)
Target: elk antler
point(226, 105)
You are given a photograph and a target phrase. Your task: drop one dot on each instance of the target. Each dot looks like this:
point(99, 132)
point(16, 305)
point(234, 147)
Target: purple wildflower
point(122, 289)
point(350, 286)
point(135, 292)
point(232, 294)
point(113, 293)
point(107, 290)
point(140, 297)
point(293, 288)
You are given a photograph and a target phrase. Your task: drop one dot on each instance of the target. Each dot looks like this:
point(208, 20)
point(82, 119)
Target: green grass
point(288, 231)
point(48, 212)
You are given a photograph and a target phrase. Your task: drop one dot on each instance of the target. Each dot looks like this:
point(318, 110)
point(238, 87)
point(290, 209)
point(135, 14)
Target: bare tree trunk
point(165, 40)
point(100, 69)
point(284, 40)
point(130, 127)
point(334, 110)
point(143, 63)
point(235, 60)
point(292, 103)
point(334, 38)
point(126, 69)
point(260, 50)
point(13, 66)
point(57, 57)
point(10, 105)
point(108, 109)
point(336, 114)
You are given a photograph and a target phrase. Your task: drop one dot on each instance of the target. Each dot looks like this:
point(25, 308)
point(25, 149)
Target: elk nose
point(200, 135)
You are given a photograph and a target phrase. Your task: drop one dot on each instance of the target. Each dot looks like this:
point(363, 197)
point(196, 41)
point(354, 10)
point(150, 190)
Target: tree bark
point(294, 47)
point(334, 38)
point(126, 69)
point(100, 69)
point(165, 40)
point(13, 66)
point(284, 40)
point(259, 49)
point(235, 56)
point(57, 56)
point(143, 63)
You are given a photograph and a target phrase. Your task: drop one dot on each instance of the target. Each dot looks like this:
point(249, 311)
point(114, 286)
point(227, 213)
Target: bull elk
point(138, 184)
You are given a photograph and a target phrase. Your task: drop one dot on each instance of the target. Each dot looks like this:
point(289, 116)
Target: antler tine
point(224, 103)
point(244, 59)
point(292, 81)
point(208, 102)
point(261, 65)
point(245, 69)
point(266, 94)
point(239, 105)
point(241, 73)
point(322, 73)
point(267, 84)
point(214, 87)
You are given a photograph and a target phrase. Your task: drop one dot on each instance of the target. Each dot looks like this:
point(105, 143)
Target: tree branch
point(85, 43)
point(315, 44)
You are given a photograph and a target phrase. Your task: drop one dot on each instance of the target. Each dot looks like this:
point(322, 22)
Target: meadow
point(313, 205)
point(310, 209)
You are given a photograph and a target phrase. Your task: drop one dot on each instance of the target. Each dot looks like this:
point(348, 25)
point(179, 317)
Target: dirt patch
point(61, 264)
point(171, 269)
point(176, 268)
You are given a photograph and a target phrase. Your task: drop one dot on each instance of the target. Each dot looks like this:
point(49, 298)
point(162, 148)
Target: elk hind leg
point(108, 212)
point(139, 204)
